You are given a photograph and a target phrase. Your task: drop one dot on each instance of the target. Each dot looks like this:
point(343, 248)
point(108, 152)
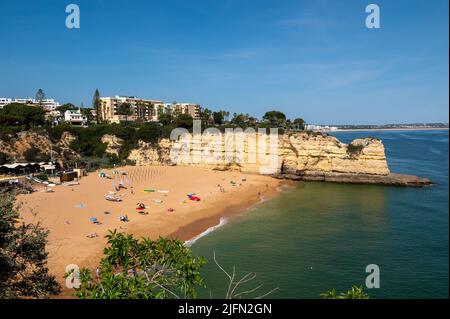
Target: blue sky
point(313, 59)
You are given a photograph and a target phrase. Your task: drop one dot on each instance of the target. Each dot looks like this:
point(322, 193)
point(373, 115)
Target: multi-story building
point(47, 104)
point(186, 108)
point(142, 109)
point(75, 117)
point(5, 101)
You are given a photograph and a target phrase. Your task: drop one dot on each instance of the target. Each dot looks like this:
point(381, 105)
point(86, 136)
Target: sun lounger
point(112, 198)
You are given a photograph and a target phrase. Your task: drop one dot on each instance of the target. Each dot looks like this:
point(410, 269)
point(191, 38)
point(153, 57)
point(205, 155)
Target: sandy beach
point(67, 211)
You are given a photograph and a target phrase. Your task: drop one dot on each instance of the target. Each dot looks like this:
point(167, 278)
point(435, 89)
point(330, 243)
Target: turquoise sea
point(319, 236)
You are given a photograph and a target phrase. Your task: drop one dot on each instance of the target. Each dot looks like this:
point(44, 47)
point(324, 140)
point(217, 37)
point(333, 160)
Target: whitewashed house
point(75, 117)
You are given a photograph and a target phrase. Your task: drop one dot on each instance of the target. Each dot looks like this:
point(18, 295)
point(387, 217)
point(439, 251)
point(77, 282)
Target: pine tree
point(23, 259)
point(96, 105)
point(40, 96)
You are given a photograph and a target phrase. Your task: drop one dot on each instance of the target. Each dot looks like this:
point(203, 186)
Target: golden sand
point(66, 211)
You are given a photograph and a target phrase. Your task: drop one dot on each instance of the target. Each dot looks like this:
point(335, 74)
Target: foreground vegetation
point(23, 258)
point(142, 269)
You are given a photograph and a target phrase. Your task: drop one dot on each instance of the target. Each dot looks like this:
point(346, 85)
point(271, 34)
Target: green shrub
point(134, 268)
point(21, 114)
point(23, 256)
point(4, 158)
point(149, 133)
point(354, 293)
point(42, 176)
point(33, 154)
point(354, 150)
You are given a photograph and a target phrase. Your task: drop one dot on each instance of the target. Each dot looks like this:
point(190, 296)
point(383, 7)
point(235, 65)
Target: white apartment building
point(320, 128)
point(47, 104)
point(75, 117)
point(5, 101)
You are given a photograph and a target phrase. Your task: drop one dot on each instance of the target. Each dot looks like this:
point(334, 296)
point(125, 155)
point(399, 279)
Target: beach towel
point(193, 197)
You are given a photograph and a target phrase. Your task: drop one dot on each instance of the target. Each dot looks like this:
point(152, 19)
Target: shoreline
point(391, 129)
point(68, 225)
point(190, 231)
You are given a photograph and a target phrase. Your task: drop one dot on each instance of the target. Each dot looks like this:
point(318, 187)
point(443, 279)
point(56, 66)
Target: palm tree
point(125, 109)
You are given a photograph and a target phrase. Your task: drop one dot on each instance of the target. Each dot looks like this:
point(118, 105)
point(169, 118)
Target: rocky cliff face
point(113, 144)
point(299, 154)
point(16, 146)
point(312, 154)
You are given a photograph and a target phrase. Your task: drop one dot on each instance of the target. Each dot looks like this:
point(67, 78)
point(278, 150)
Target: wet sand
point(66, 212)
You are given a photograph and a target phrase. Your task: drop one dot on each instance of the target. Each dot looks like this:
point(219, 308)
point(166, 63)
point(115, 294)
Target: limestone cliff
point(113, 144)
point(310, 154)
point(298, 153)
point(16, 145)
point(299, 156)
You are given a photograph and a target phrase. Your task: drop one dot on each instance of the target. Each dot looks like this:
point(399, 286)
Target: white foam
point(222, 222)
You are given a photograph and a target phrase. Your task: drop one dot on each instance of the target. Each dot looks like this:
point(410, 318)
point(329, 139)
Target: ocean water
point(319, 236)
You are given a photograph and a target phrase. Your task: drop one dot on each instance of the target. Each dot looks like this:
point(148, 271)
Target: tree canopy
point(18, 114)
point(218, 117)
point(275, 118)
point(184, 120)
point(142, 268)
point(299, 124)
point(23, 258)
point(66, 107)
point(125, 109)
point(40, 96)
point(96, 105)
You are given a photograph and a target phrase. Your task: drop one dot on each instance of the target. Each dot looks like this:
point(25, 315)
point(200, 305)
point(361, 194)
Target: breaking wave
point(222, 222)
